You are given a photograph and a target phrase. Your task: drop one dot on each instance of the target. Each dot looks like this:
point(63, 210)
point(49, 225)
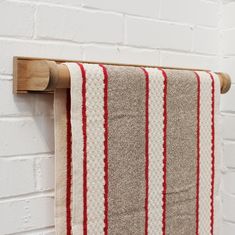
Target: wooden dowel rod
point(47, 75)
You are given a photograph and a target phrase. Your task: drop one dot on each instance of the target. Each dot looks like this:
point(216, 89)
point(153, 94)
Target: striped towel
point(137, 151)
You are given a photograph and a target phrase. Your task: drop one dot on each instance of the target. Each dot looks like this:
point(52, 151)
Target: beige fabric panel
point(126, 143)
point(181, 152)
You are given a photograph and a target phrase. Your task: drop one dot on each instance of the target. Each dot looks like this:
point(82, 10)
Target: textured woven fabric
point(137, 151)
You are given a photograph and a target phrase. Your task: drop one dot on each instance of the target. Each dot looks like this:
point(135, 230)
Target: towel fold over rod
point(45, 75)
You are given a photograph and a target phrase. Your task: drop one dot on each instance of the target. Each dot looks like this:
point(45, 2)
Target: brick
point(188, 60)
point(228, 66)
point(121, 55)
point(62, 2)
point(48, 233)
point(16, 177)
point(16, 19)
point(14, 105)
point(101, 53)
point(179, 11)
point(226, 104)
point(218, 214)
point(139, 56)
point(191, 12)
point(26, 135)
point(227, 228)
point(228, 19)
point(227, 1)
point(156, 34)
point(148, 8)
point(228, 127)
point(60, 50)
point(206, 40)
point(207, 13)
point(229, 154)
point(27, 214)
point(44, 104)
point(40, 232)
point(80, 26)
point(228, 182)
point(228, 207)
point(44, 168)
point(228, 42)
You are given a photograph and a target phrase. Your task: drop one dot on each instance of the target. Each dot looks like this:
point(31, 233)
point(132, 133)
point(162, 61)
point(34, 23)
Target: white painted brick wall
point(17, 19)
point(228, 116)
point(148, 8)
point(157, 34)
point(194, 12)
point(63, 23)
point(229, 152)
point(12, 173)
point(206, 40)
point(28, 213)
point(191, 60)
point(123, 54)
point(191, 33)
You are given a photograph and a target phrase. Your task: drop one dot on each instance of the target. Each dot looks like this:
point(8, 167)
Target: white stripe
point(95, 148)
point(77, 148)
point(217, 208)
point(205, 153)
point(155, 150)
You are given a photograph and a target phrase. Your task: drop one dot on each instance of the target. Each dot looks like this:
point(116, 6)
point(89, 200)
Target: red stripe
point(212, 150)
point(84, 131)
point(164, 184)
point(68, 163)
point(198, 153)
point(105, 149)
point(146, 148)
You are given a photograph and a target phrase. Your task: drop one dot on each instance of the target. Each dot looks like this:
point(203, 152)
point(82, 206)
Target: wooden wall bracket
point(45, 75)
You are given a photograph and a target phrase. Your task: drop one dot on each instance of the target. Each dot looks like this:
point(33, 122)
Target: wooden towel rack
point(45, 75)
